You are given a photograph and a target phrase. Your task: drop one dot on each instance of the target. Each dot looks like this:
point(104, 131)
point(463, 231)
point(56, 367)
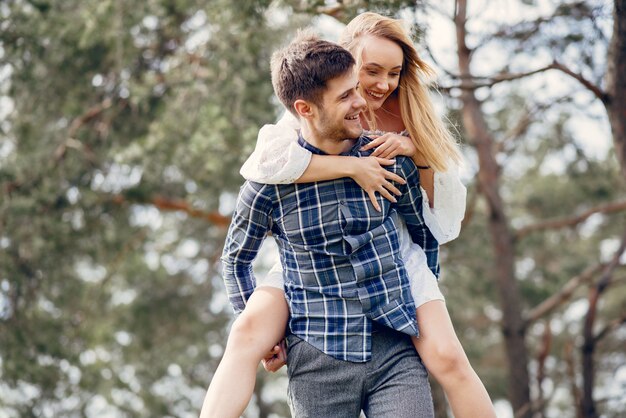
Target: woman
point(398, 101)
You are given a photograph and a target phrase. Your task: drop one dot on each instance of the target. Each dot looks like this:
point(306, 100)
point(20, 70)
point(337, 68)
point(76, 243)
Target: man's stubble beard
point(334, 133)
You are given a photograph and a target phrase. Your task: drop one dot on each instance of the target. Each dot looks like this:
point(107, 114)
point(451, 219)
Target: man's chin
point(353, 133)
point(357, 133)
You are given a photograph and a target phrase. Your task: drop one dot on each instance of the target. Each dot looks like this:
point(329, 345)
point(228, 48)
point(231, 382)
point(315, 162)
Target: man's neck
point(328, 145)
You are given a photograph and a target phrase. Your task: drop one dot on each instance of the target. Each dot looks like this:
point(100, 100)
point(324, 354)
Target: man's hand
point(276, 358)
point(370, 174)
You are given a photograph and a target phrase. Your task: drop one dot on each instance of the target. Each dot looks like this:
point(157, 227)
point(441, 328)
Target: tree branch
point(88, 115)
point(597, 91)
point(337, 11)
point(562, 295)
point(492, 81)
point(571, 221)
point(500, 78)
point(610, 327)
point(568, 354)
point(77, 123)
point(180, 205)
point(525, 121)
point(439, 65)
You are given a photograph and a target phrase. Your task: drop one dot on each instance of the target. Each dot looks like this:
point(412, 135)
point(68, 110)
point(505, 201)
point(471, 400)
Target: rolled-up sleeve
point(249, 226)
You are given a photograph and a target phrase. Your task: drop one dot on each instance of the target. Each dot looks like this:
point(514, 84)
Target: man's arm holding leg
point(248, 229)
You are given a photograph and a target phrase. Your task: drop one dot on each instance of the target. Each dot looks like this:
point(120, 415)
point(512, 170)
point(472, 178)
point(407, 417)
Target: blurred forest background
point(122, 129)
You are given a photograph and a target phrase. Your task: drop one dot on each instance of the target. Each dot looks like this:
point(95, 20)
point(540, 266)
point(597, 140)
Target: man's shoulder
point(271, 192)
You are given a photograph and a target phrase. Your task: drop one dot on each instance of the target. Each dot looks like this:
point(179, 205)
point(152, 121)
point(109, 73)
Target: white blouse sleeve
point(444, 219)
point(277, 158)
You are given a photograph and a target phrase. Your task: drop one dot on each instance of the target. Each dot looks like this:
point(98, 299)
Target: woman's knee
point(449, 359)
point(246, 334)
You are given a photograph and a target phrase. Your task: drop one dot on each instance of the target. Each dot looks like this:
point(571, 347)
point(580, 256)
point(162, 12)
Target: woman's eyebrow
point(374, 64)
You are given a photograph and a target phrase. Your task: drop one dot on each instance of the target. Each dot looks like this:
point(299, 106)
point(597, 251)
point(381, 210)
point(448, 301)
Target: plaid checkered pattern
point(340, 256)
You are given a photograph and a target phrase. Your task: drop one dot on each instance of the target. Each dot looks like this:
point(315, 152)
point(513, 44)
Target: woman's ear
point(304, 108)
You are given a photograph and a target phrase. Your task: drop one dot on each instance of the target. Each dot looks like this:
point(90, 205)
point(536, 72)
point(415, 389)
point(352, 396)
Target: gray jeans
point(394, 384)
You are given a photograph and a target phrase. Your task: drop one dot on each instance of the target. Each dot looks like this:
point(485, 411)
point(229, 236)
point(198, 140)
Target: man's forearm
point(239, 281)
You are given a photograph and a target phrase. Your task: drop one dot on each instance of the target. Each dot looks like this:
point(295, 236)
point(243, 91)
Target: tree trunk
point(513, 327)
point(588, 405)
point(616, 82)
point(615, 104)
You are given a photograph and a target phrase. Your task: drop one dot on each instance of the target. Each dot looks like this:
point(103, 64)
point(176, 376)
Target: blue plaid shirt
point(341, 257)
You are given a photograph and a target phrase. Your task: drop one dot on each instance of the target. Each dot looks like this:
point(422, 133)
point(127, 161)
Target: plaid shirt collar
point(354, 150)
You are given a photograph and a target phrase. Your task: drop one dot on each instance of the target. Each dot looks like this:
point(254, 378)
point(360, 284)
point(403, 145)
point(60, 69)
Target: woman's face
point(379, 75)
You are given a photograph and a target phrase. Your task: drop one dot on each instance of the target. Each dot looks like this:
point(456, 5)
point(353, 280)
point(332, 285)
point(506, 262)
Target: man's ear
point(304, 108)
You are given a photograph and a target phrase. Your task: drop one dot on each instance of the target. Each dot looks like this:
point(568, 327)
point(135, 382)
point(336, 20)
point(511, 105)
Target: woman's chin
point(375, 104)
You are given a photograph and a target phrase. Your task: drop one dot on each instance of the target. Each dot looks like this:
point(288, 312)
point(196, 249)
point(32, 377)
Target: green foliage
point(109, 303)
point(105, 300)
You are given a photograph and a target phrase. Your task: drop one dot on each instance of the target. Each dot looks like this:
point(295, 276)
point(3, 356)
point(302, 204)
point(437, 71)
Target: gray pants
point(394, 384)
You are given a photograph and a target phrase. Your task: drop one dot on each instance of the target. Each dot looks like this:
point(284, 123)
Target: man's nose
point(359, 102)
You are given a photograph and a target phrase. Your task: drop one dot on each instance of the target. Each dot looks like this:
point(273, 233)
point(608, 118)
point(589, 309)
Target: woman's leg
point(443, 356)
point(254, 333)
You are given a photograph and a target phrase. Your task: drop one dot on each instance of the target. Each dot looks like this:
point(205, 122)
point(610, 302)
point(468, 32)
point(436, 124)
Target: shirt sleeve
point(445, 217)
point(277, 158)
point(410, 207)
point(249, 226)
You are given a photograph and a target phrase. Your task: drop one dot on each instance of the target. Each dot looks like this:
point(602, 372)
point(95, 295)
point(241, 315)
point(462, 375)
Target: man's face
point(338, 115)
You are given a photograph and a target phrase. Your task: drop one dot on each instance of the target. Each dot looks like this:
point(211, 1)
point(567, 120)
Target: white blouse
point(278, 159)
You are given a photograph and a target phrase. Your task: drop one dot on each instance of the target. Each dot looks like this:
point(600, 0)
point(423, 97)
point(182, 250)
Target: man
point(347, 289)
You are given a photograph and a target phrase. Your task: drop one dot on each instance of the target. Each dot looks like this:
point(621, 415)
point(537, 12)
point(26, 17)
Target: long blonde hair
point(426, 129)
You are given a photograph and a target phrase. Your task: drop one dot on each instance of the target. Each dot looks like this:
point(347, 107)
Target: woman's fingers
point(378, 152)
point(390, 152)
point(394, 177)
point(386, 194)
point(393, 189)
point(385, 161)
point(389, 145)
point(373, 143)
point(374, 178)
point(372, 195)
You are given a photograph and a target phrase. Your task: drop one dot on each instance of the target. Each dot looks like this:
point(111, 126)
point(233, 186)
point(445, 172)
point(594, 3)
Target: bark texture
point(502, 237)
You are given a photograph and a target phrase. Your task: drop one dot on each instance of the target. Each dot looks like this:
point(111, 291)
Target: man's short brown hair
point(302, 68)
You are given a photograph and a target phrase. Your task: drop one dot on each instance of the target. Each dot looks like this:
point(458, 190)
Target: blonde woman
point(402, 121)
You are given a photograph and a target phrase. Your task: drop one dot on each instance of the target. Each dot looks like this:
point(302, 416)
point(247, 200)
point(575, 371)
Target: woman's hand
point(370, 174)
point(276, 358)
point(390, 145)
